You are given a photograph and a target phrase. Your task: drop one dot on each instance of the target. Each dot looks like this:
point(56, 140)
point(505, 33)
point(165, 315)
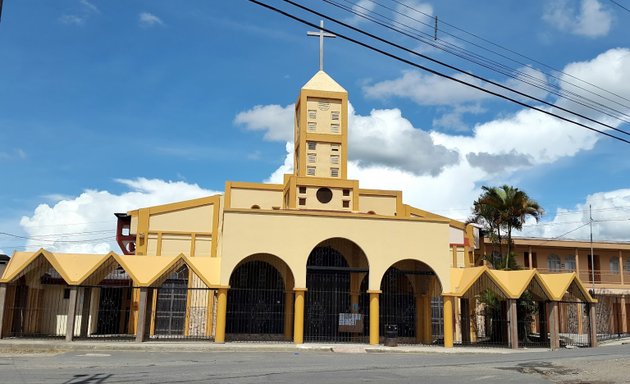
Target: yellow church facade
point(314, 259)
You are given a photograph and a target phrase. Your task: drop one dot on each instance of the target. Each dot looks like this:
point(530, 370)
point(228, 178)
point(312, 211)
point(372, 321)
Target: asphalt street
point(74, 367)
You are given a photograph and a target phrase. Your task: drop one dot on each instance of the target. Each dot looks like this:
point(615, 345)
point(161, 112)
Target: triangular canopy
point(145, 270)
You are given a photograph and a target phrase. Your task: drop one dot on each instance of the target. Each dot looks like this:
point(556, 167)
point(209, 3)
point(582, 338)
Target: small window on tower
point(302, 189)
point(310, 171)
point(312, 145)
point(334, 172)
point(334, 159)
point(334, 115)
point(334, 148)
point(346, 204)
point(334, 128)
point(312, 158)
point(312, 126)
point(302, 201)
point(312, 114)
point(346, 192)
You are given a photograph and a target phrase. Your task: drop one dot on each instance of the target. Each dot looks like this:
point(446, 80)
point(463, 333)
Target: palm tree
point(504, 208)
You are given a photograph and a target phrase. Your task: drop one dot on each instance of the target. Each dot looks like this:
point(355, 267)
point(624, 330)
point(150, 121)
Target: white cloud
point(147, 19)
point(82, 12)
point(87, 223)
point(590, 20)
point(611, 216)
point(363, 7)
point(15, 154)
point(453, 119)
point(414, 14)
point(426, 89)
point(276, 121)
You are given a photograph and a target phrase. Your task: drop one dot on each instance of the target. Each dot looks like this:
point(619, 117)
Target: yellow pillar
point(448, 322)
point(288, 315)
point(374, 315)
point(219, 336)
point(419, 319)
point(298, 322)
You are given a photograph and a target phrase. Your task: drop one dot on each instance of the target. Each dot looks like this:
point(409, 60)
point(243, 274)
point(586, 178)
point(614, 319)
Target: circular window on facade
point(324, 195)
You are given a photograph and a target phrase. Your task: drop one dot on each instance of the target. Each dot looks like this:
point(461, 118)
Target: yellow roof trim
point(513, 282)
point(18, 262)
point(145, 270)
point(77, 267)
point(464, 278)
point(207, 268)
point(557, 283)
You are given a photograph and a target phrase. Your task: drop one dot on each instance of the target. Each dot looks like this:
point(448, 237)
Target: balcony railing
point(601, 277)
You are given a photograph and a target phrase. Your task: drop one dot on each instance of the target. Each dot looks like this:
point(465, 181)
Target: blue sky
point(111, 105)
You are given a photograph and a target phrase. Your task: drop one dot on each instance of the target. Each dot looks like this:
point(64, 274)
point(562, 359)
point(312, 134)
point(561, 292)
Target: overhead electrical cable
point(435, 72)
point(442, 22)
point(513, 73)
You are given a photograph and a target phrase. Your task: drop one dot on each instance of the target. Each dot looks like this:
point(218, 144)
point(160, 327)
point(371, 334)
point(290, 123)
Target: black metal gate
point(256, 307)
point(332, 311)
point(398, 305)
point(170, 313)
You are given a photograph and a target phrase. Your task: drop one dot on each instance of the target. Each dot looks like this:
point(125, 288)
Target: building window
point(334, 115)
point(626, 266)
point(255, 206)
point(312, 158)
point(334, 159)
point(312, 145)
point(310, 171)
point(346, 192)
point(334, 172)
point(614, 264)
point(497, 260)
point(346, 203)
point(302, 201)
point(334, 148)
point(302, 189)
point(334, 128)
point(312, 114)
point(553, 263)
point(312, 126)
point(569, 263)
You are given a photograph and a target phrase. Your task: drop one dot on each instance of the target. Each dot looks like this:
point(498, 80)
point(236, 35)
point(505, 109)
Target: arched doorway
point(258, 306)
point(336, 304)
point(409, 300)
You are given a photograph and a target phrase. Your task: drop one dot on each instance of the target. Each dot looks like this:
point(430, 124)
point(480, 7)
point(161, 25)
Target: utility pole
point(590, 214)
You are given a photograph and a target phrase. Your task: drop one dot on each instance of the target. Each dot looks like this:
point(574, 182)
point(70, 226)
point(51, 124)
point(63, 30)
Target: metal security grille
point(574, 324)
point(398, 305)
point(170, 312)
point(256, 303)
point(332, 311)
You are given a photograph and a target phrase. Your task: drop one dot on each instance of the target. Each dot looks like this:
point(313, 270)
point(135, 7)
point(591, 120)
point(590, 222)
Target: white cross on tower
point(321, 34)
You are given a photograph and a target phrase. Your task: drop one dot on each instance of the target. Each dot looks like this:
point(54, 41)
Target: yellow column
point(219, 336)
point(448, 322)
point(374, 315)
point(427, 332)
point(419, 319)
point(288, 315)
point(298, 322)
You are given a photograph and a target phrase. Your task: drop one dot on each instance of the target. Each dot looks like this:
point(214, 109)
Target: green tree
point(502, 210)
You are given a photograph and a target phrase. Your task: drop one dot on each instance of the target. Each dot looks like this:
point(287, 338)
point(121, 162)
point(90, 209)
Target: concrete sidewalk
point(53, 345)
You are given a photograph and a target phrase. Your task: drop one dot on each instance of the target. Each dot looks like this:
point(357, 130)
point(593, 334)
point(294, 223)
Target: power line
point(54, 241)
point(435, 72)
point(619, 5)
point(484, 62)
point(442, 22)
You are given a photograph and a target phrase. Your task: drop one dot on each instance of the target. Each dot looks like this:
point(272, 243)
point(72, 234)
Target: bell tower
point(321, 129)
point(320, 164)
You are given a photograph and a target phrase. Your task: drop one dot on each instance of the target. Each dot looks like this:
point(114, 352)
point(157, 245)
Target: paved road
point(601, 365)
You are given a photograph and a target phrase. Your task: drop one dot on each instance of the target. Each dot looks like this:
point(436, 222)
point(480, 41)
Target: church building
point(314, 259)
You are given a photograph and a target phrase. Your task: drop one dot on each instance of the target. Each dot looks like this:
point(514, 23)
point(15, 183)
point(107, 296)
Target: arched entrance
point(408, 301)
point(336, 304)
point(259, 307)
